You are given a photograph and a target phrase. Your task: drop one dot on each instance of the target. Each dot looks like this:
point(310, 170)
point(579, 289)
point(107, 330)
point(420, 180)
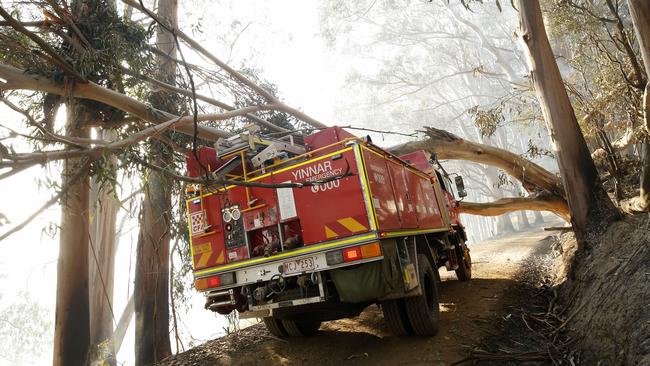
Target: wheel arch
point(425, 245)
point(459, 233)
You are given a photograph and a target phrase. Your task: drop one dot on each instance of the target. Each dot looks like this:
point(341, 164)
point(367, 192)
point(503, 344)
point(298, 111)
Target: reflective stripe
point(412, 232)
point(365, 186)
point(352, 224)
point(309, 249)
point(329, 233)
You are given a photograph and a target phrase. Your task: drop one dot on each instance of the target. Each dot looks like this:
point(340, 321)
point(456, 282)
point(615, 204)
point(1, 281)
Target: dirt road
point(470, 312)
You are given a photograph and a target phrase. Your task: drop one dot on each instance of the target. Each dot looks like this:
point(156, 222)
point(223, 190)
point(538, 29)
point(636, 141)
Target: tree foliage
point(25, 328)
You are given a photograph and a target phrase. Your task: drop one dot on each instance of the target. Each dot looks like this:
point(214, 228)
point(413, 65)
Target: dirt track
point(470, 313)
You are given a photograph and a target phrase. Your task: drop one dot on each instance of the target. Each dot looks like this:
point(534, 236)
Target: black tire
point(301, 328)
point(275, 327)
point(424, 310)
point(395, 317)
point(464, 271)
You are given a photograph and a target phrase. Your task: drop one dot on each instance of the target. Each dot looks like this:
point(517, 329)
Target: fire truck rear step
point(220, 295)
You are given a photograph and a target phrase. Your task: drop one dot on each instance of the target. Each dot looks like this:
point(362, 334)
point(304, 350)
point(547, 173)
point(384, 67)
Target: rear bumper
point(263, 269)
point(273, 267)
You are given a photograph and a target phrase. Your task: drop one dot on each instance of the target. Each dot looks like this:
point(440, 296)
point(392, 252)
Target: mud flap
point(369, 281)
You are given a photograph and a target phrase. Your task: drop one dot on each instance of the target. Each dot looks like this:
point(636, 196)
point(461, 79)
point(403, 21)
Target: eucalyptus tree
point(590, 206)
point(151, 291)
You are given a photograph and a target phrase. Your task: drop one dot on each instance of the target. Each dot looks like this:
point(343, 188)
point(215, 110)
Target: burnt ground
point(500, 315)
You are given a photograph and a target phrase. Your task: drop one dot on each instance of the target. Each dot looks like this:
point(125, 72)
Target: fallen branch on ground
point(485, 356)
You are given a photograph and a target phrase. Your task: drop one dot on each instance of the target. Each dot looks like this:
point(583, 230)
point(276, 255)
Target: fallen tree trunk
point(446, 145)
point(548, 194)
point(510, 204)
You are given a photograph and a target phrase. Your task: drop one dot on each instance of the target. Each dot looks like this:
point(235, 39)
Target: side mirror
point(460, 186)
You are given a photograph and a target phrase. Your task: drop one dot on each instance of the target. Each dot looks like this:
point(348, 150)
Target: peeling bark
point(591, 209)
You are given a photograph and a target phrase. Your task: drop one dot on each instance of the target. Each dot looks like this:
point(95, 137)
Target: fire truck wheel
point(464, 271)
point(301, 328)
point(424, 311)
point(395, 317)
point(275, 327)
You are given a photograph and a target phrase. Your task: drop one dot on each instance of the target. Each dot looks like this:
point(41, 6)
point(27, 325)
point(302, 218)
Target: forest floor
point(476, 317)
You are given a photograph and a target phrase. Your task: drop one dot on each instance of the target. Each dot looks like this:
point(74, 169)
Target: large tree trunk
point(152, 342)
point(72, 328)
point(446, 145)
point(152, 267)
point(640, 12)
point(104, 206)
point(590, 206)
point(538, 181)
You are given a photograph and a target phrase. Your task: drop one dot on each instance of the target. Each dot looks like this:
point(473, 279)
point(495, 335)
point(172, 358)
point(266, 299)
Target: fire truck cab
point(300, 230)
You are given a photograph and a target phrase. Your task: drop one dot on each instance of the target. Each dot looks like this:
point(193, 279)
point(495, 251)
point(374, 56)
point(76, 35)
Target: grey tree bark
point(71, 326)
point(590, 207)
point(151, 291)
point(104, 207)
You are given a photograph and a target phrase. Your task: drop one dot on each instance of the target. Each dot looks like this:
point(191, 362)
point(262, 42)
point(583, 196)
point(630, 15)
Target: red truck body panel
point(381, 194)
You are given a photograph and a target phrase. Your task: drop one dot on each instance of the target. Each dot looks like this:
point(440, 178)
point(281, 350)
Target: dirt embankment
point(604, 294)
point(473, 313)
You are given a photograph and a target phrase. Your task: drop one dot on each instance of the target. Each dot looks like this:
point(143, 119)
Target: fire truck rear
point(318, 229)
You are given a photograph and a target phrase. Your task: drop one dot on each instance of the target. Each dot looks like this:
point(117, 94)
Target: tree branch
point(80, 173)
point(506, 205)
point(21, 160)
point(204, 98)
point(56, 58)
point(232, 72)
point(18, 79)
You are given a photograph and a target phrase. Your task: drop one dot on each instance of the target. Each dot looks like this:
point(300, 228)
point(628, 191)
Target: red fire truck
point(318, 229)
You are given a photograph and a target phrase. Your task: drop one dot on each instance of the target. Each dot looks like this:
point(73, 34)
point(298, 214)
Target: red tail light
point(214, 281)
point(352, 254)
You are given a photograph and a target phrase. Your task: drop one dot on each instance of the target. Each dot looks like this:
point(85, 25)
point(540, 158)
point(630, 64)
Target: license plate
point(299, 265)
